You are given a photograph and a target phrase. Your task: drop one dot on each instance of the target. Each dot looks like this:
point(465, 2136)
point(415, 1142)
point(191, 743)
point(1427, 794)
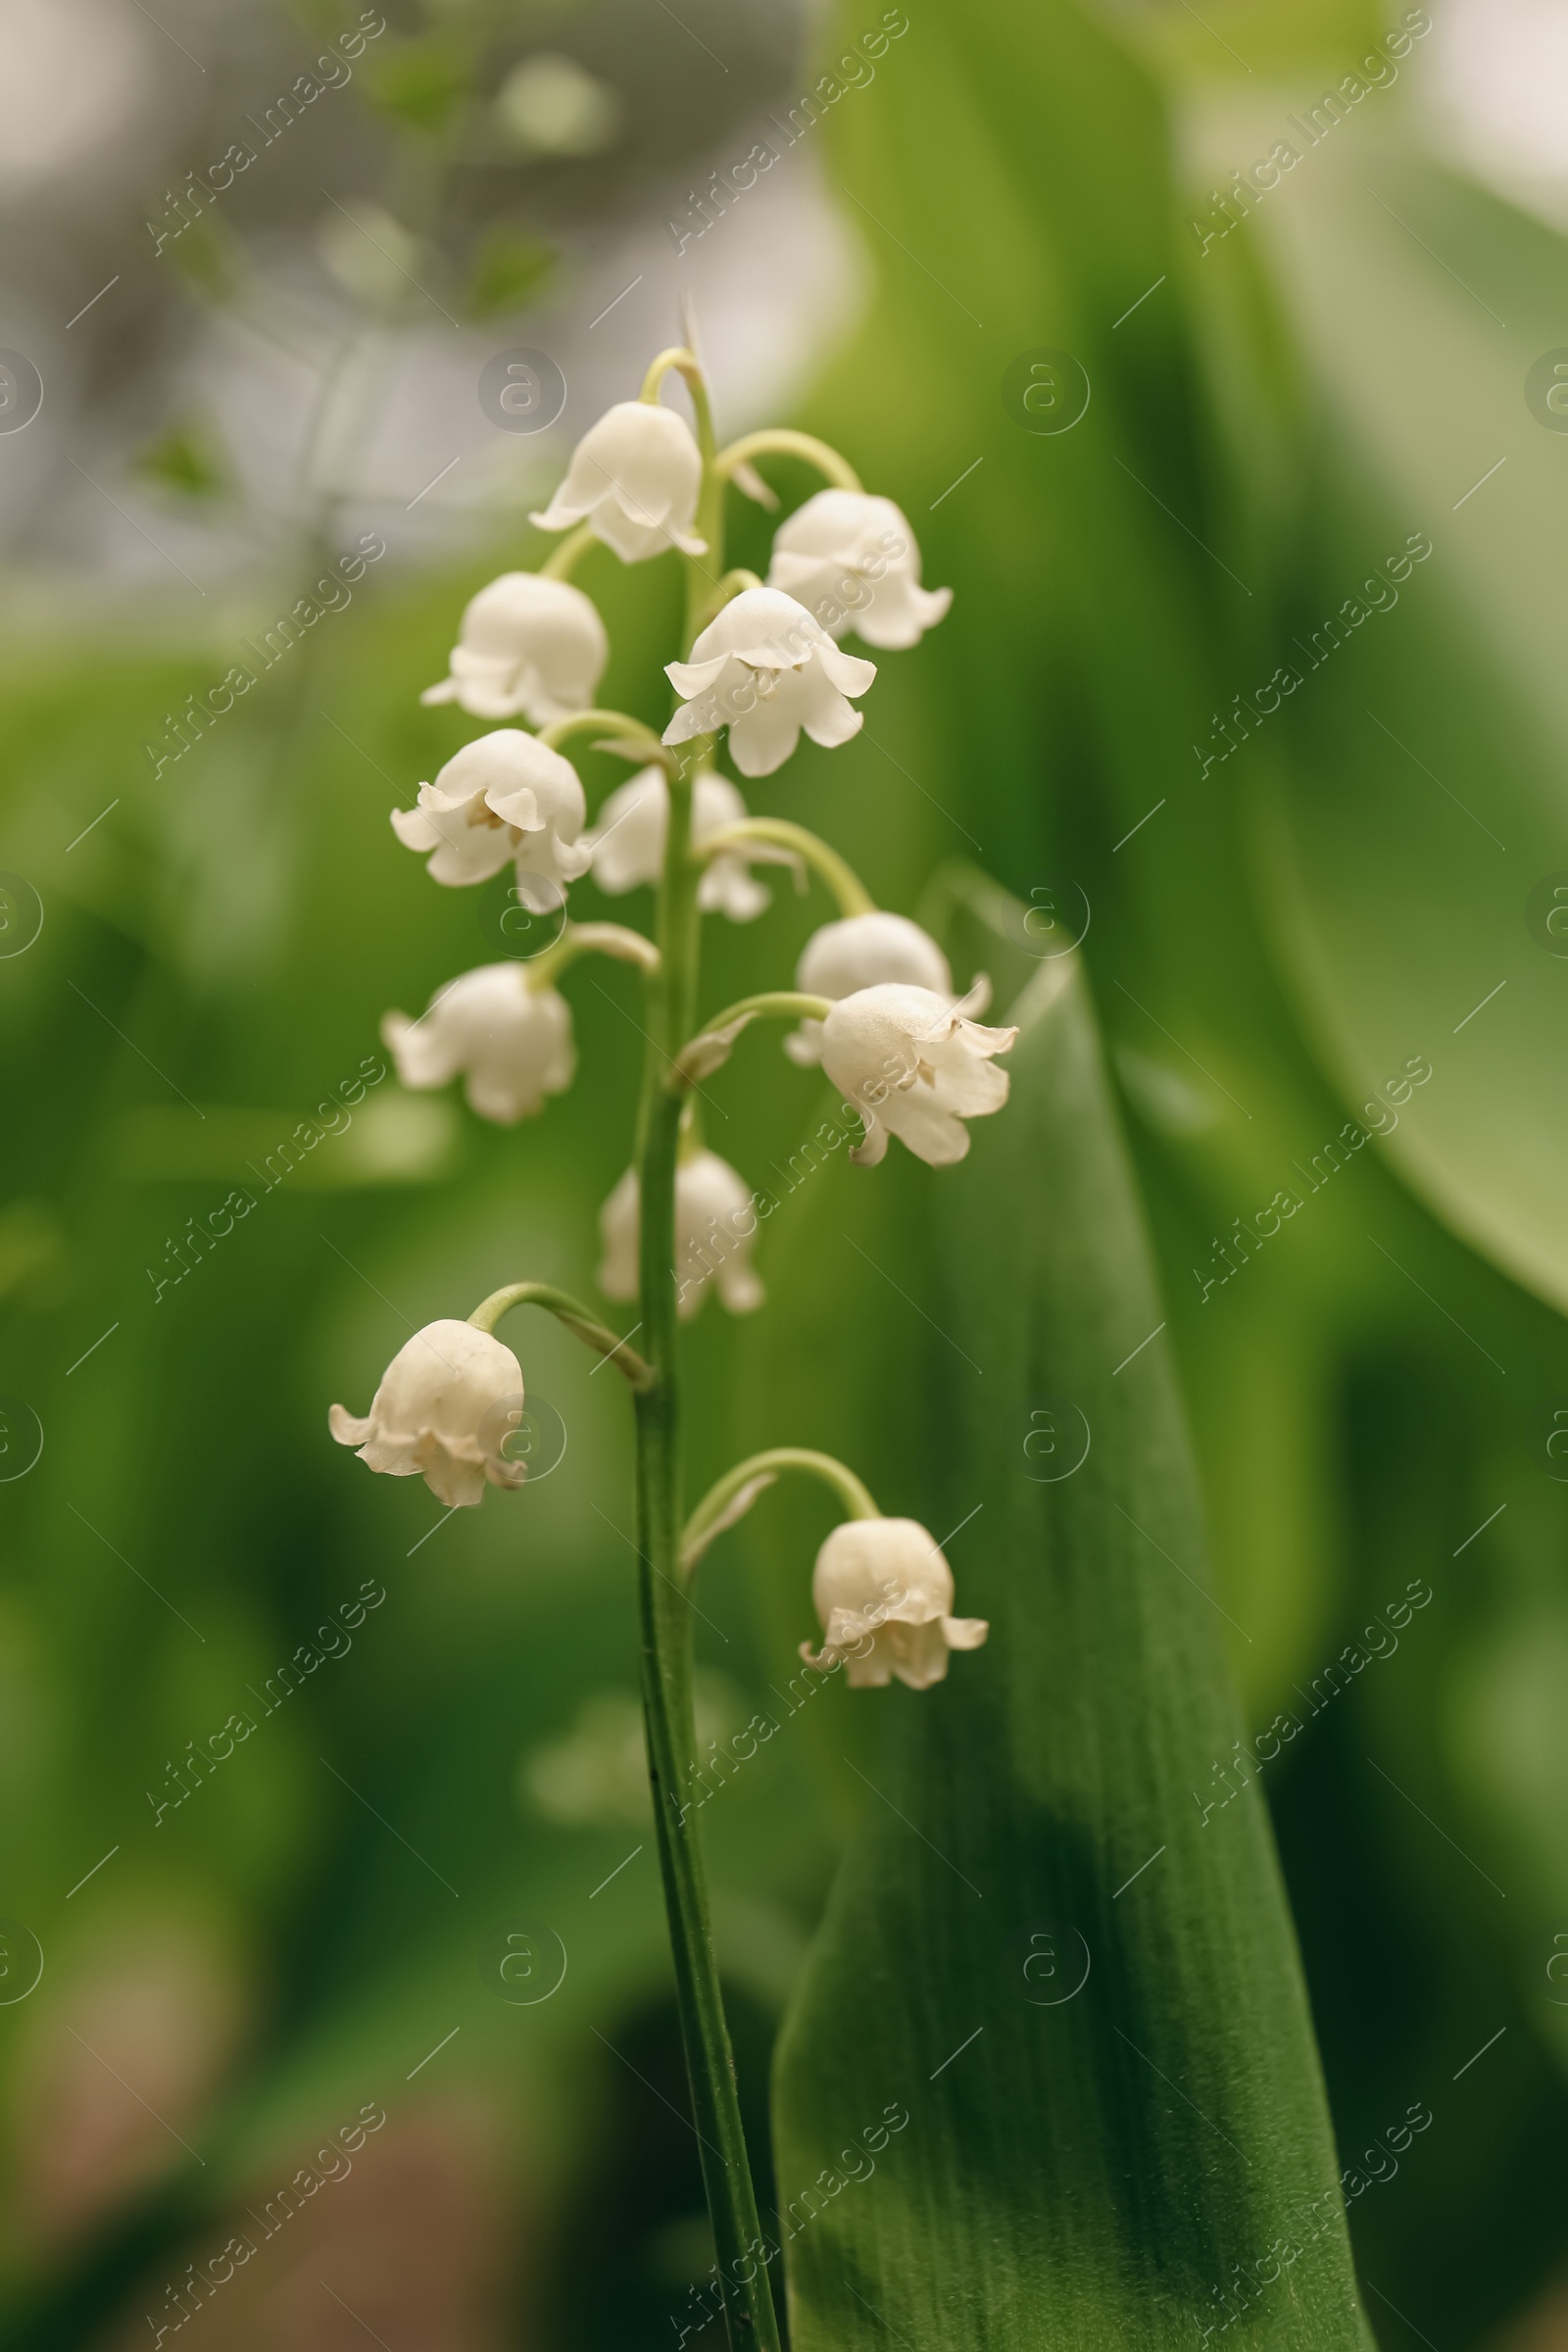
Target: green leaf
point(1079, 1984)
point(187, 459)
point(511, 270)
point(1421, 804)
point(420, 83)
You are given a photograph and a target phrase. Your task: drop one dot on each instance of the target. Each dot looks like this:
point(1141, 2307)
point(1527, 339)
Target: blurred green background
point(1272, 938)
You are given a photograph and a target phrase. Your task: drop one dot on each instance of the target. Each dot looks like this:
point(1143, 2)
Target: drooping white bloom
point(512, 1043)
point(883, 1591)
point(913, 1067)
point(441, 1412)
point(629, 843)
point(526, 645)
point(715, 1228)
point(862, 950)
point(853, 560)
point(634, 476)
point(503, 797)
point(765, 668)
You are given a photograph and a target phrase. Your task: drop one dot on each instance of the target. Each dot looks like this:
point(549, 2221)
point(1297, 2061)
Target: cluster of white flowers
point(893, 1036)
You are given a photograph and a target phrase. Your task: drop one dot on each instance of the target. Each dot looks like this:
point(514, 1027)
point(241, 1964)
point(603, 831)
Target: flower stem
point(782, 441)
point(631, 737)
point(664, 1616)
point(709, 1049)
point(563, 558)
point(729, 1498)
point(576, 1318)
point(590, 939)
point(840, 878)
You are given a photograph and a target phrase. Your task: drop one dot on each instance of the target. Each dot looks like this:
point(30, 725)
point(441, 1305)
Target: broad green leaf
point(1415, 827)
point(1054, 1945)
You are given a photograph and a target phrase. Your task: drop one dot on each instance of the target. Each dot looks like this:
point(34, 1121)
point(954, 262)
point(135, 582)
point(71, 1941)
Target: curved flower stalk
point(881, 1588)
point(874, 1003)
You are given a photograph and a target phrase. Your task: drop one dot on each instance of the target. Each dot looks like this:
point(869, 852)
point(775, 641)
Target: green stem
point(565, 556)
point(840, 878)
point(782, 441)
point(710, 1047)
point(758, 1470)
point(590, 939)
point(630, 734)
point(576, 1318)
point(664, 1616)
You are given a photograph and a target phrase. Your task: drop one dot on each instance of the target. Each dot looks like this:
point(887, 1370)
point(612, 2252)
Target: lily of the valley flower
point(526, 646)
point(915, 1068)
point(853, 560)
point(629, 843)
point(715, 1228)
point(883, 1591)
point(634, 479)
point(506, 797)
point(509, 1042)
point(765, 668)
point(862, 950)
point(441, 1412)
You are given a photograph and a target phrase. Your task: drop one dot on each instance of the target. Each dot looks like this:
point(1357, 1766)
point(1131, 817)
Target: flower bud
point(629, 843)
point(853, 561)
point(765, 668)
point(511, 1042)
point(883, 1589)
point(634, 479)
point(715, 1229)
point(504, 796)
point(860, 952)
point(527, 646)
point(445, 1401)
point(913, 1067)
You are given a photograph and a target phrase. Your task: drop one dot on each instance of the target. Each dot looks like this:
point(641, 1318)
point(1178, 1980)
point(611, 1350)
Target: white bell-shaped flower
point(765, 668)
point(527, 646)
point(915, 1068)
point(506, 797)
point(853, 560)
point(511, 1042)
point(634, 477)
point(883, 1591)
point(629, 843)
point(715, 1229)
point(446, 1401)
point(862, 950)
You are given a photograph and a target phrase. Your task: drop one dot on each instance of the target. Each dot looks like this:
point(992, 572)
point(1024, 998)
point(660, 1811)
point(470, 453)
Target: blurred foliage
point(188, 459)
point(511, 270)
